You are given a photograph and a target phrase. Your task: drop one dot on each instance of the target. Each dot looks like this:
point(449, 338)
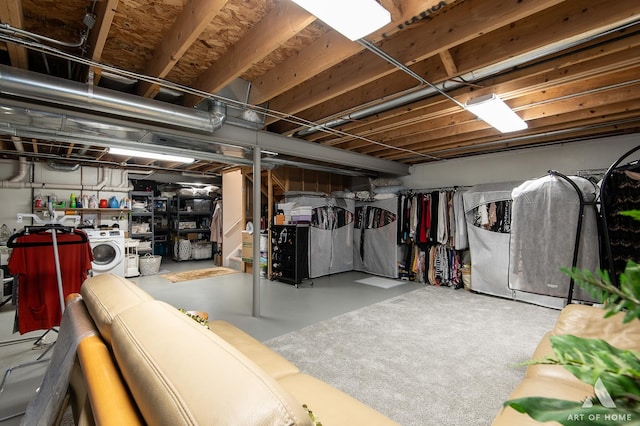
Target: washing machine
point(108, 251)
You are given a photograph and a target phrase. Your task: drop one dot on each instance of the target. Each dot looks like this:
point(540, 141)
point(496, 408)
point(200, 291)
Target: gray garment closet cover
point(543, 232)
point(379, 243)
point(330, 245)
point(489, 250)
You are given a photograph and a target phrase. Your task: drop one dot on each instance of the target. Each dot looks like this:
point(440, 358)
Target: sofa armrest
point(589, 322)
point(550, 388)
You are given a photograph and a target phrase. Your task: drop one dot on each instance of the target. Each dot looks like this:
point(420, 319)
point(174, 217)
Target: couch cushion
point(106, 295)
point(179, 372)
point(331, 406)
point(271, 362)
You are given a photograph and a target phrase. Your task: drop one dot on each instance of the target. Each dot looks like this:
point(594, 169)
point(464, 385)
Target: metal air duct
point(25, 84)
point(54, 165)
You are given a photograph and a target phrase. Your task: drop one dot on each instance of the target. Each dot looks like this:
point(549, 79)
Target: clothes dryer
point(108, 250)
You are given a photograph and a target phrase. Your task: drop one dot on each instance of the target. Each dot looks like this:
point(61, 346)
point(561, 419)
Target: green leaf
point(635, 214)
point(625, 299)
point(590, 359)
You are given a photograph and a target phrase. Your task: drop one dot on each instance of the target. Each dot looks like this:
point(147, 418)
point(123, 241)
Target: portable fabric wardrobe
point(330, 233)
point(375, 234)
point(490, 249)
point(554, 225)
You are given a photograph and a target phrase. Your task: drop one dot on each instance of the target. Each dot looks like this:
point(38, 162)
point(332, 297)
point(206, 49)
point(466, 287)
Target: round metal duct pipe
point(62, 167)
point(34, 86)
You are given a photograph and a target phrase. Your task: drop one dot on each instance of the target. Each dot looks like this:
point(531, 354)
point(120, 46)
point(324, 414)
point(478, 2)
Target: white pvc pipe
point(17, 183)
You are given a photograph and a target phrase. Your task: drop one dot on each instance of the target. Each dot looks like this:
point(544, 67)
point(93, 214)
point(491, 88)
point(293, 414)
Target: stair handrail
point(229, 229)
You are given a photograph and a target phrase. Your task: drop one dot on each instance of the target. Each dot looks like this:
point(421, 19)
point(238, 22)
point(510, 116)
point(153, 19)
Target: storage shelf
point(199, 216)
point(81, 210)
point(139, 216)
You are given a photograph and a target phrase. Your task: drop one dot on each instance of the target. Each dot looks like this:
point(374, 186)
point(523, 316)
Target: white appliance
point(108, 251)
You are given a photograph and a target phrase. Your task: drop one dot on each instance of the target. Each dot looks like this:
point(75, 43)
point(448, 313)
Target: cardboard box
point(247, 246)
point(247, 254)
point(247, 238)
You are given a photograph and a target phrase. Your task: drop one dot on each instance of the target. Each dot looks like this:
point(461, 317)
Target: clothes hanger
point(37, 229)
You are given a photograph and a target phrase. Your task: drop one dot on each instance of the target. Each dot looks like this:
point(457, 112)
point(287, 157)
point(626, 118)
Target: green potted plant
point(614, 373)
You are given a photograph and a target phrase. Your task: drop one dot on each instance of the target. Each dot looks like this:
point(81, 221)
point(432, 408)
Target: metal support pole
point(257, 183)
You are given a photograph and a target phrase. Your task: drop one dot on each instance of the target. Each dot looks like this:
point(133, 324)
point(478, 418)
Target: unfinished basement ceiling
point(569, 68)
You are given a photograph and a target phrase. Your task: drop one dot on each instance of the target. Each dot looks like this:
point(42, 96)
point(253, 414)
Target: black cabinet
point(289, 253)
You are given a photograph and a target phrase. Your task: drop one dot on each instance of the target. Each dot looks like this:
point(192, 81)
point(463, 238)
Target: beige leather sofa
point(554, 381)
point(168, 369)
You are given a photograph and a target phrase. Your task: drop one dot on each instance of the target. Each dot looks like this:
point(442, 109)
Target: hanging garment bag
point(544, 227)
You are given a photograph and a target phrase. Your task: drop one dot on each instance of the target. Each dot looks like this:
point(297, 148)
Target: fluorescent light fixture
point(494, 111)
point(154, 155)
point(352, 18)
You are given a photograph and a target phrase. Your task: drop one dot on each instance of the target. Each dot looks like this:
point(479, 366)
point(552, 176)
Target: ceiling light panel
point(491, 109)
point(152, 155)
point(352, 18)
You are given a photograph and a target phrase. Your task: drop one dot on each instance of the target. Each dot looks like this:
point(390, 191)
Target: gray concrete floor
point(283, 308)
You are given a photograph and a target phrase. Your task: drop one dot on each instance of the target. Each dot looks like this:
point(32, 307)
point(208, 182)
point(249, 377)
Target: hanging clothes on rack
point(33, 261)
point(433, 227)
point(461, 239)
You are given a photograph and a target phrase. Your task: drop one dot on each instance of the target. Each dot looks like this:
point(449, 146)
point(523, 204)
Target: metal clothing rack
point(429, 190)
point(576, 246)
point(54, 224)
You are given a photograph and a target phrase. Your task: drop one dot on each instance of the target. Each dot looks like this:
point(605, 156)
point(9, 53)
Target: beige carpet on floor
point(433, 356)
point(198, 274)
